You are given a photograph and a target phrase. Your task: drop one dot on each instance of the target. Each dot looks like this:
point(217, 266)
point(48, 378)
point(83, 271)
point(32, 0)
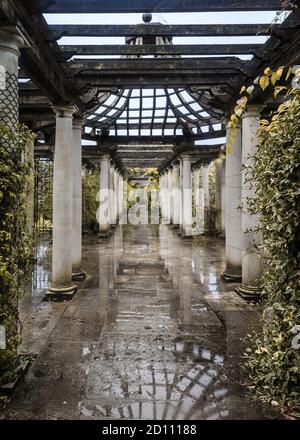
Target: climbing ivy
point(15, 257)
point(90, 200)
point(274, 358)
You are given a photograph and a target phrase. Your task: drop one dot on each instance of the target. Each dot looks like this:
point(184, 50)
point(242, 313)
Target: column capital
point(11, 39)
point(186, 157)
point(105, 156)
point(253, 110)
point(78, 123)
point(63, 111)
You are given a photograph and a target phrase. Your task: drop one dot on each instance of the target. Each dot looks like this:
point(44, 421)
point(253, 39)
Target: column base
point(78, 276)
point(187, 237)
point(248, 293)
point(60, 293)
point(104, 235)
point(231, 277)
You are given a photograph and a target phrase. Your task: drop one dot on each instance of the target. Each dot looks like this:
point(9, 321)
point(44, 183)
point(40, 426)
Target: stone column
point(61, 286)
point(112, 197)
point(181, 192)
point(205, 185)
point(78, 273)
point(176, 196)
point(233, 194)
point(187, 195)
point(121, 199)
point(10, 43)
point(251, 257)
point(116, 187)
point(223, 191)
point(104, 209)
point(218, 189)
point(170, 189)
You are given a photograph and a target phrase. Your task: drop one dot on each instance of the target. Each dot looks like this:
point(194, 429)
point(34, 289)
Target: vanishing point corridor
point(152, 333)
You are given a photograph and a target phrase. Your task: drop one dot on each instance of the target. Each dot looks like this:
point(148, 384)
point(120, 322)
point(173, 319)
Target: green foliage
point(15, 255)
point(43, 194)
point(274, 360)
point(90, 201)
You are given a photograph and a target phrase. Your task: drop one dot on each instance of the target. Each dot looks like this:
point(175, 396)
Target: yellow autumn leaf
point(279, 89)
point(279, 72)
point(264, 82)
point(243, 89)
point(288, 73)
point(256, 81)
point(297, 73)
point(238, 111)
point(242, 101)
point(267, 71)
point(234, 119)
point(279, 339)
point(264, 122)
point(250, 89)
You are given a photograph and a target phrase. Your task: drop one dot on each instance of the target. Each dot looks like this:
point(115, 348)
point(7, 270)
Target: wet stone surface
point(153, 333)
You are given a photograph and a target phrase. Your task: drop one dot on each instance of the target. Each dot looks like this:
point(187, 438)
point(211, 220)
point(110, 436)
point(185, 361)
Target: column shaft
point(77, 200)
point(233, 194)
point(251, 258)
point(62, 285)
point(104, 208)
point(205, 185)
point(187, 195)
point(176, 196)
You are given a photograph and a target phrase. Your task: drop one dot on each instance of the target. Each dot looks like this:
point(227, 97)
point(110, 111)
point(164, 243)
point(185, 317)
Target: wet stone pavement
point(152, 333)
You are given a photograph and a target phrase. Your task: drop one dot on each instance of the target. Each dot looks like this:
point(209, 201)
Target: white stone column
point(122, 212)
point(181, 191)
point(116, 187)
point(112, 197)
point(10, 43)
point(205, 185)
point(223, 190)
point(233, 194)
point(170, 189)
point(176, 196)
point(218, 195)
point(104, 208)
point(187, 195)
point(78, 273)
point(61, 286)
point(251, 257)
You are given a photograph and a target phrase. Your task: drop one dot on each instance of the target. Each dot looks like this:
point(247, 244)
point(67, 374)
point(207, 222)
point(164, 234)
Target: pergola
point(154, 104)
point(156, 94)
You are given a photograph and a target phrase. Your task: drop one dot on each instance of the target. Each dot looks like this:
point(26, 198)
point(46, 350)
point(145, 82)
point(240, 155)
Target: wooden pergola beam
point(179, 30)
point(140, 6)
point(37, 58)
point(151, 49)
point(140, 64)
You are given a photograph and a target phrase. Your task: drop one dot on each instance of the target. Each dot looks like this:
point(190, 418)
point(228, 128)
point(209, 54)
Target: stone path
point(151, 334)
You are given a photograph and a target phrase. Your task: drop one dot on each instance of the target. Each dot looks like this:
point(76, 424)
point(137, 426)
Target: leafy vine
point(15, 257)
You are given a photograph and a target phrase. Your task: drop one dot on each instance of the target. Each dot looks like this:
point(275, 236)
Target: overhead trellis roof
point(152, 112)
point(187, 89)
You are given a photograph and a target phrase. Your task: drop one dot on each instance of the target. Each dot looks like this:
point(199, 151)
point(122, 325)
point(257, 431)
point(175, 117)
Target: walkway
point(152, 333)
